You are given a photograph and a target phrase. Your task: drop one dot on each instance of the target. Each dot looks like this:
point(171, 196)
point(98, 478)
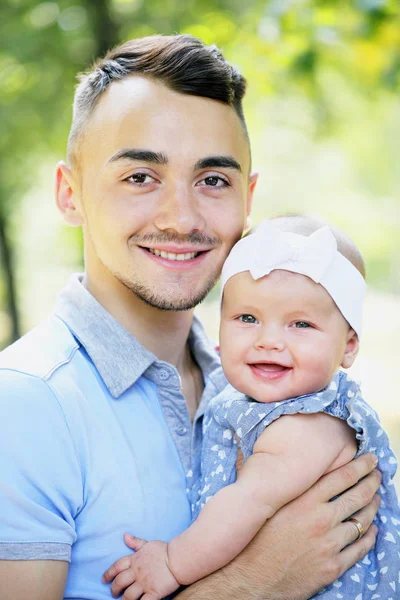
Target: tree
point(307, 49)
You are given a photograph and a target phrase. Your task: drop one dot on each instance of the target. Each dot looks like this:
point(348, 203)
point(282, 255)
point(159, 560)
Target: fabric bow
point(309, 256)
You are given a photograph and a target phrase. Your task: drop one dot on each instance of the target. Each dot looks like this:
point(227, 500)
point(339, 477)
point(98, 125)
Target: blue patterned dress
point(231, 416)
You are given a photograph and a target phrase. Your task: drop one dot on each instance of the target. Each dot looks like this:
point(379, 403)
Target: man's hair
point(181, 62)
point(306, 225)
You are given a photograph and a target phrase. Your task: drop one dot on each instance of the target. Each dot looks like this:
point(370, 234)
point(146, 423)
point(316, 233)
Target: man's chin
point(168, 302)
point(169, 305)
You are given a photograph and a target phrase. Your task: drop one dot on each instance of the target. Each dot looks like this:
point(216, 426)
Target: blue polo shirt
point(95, 440)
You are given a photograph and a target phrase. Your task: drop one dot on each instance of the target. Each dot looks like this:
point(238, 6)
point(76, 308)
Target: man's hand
point(300, 549)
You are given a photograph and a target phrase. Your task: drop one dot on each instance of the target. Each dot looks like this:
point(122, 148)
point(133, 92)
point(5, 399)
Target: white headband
point(315, 256)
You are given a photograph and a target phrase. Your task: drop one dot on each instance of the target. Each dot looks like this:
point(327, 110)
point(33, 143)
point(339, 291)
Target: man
point(97, 402)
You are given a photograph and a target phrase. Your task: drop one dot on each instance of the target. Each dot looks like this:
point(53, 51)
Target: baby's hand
point(145, 574)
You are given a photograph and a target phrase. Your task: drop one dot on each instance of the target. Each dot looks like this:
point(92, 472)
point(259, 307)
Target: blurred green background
point(323, 111)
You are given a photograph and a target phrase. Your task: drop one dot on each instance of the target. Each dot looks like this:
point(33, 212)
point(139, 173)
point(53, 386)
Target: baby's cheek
point(226, 362)
point(228, 365)
point(237, 378)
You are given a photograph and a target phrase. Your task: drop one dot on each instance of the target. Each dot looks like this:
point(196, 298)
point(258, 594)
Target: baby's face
point(282, 336)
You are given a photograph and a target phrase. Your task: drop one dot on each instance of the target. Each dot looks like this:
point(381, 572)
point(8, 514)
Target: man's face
point(164, 191)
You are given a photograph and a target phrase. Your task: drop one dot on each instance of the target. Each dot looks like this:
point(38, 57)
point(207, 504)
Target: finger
point(120, 565)
point(133, 592)
point(358, 497)
point(355, 552)
point(239, 459)
point(134, 542)
point(345, 477)
point(346, 533)
point(122, 582)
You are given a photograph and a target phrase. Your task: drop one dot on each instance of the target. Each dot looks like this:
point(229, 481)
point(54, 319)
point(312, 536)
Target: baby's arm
point(290, 455)
point(288, 458)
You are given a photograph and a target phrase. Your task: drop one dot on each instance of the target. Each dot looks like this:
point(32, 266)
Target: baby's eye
point(248, 319)
point(301, 324)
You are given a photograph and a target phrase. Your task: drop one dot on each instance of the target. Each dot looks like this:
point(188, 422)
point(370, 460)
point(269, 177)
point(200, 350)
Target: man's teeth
point(172, 255)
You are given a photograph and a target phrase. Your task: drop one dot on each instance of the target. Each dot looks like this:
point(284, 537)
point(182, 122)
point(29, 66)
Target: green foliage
point(338, 60)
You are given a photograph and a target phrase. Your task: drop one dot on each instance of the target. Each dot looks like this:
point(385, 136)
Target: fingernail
point(375, 459)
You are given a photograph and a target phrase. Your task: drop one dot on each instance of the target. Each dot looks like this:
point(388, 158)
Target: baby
point(291, 317)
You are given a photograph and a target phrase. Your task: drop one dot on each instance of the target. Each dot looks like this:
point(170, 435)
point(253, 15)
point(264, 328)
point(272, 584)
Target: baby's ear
point(351, 349)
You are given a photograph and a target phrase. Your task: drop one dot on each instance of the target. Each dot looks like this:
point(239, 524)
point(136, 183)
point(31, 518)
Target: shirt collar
point(203, 349)
point(117, 355)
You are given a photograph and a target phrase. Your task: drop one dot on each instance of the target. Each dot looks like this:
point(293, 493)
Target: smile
point(173, 255)
point(269, 371)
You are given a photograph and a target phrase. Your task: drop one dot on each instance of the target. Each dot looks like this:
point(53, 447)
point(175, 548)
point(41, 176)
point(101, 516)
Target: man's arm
point(33, 579)
point(40, 490)
point(299, 550)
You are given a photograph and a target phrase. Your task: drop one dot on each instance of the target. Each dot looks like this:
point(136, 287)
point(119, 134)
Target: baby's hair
point(306, 225)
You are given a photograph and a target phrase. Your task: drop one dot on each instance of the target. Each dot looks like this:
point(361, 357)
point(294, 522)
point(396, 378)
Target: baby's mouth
point(270, 367)
point(269, 370)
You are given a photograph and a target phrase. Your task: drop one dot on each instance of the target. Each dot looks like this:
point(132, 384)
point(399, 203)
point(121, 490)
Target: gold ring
point(359, 527)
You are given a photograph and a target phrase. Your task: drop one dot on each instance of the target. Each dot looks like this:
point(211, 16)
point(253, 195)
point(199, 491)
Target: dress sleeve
point(40, 479)
point(219, 450)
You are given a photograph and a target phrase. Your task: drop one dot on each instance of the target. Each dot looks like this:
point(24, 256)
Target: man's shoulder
point(41, 351)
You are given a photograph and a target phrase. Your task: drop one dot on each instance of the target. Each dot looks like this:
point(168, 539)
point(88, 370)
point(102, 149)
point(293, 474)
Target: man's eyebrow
point(141, 155)
point(211, 162)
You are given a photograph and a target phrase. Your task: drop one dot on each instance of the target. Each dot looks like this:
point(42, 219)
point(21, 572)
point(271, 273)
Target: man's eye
point(247, 319)
point(140, 178)
point(302, 324)
point(215, 181)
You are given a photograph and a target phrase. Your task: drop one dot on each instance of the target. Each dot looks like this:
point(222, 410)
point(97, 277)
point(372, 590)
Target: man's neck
point(164, 333)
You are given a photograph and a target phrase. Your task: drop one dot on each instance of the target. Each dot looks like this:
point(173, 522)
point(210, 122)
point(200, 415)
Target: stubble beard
point(156, 300)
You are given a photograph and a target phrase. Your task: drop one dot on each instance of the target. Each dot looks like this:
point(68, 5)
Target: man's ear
point(351, 349)
point(250, 192)
point(66, 195)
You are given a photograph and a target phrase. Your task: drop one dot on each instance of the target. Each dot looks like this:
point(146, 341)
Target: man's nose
point(270, 337)
point(179, 211)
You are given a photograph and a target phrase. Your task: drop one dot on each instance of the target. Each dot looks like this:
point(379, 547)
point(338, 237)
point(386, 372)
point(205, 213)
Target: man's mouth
point(172, 255)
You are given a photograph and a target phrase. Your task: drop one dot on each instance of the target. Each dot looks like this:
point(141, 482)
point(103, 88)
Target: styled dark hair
point(181, 62)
